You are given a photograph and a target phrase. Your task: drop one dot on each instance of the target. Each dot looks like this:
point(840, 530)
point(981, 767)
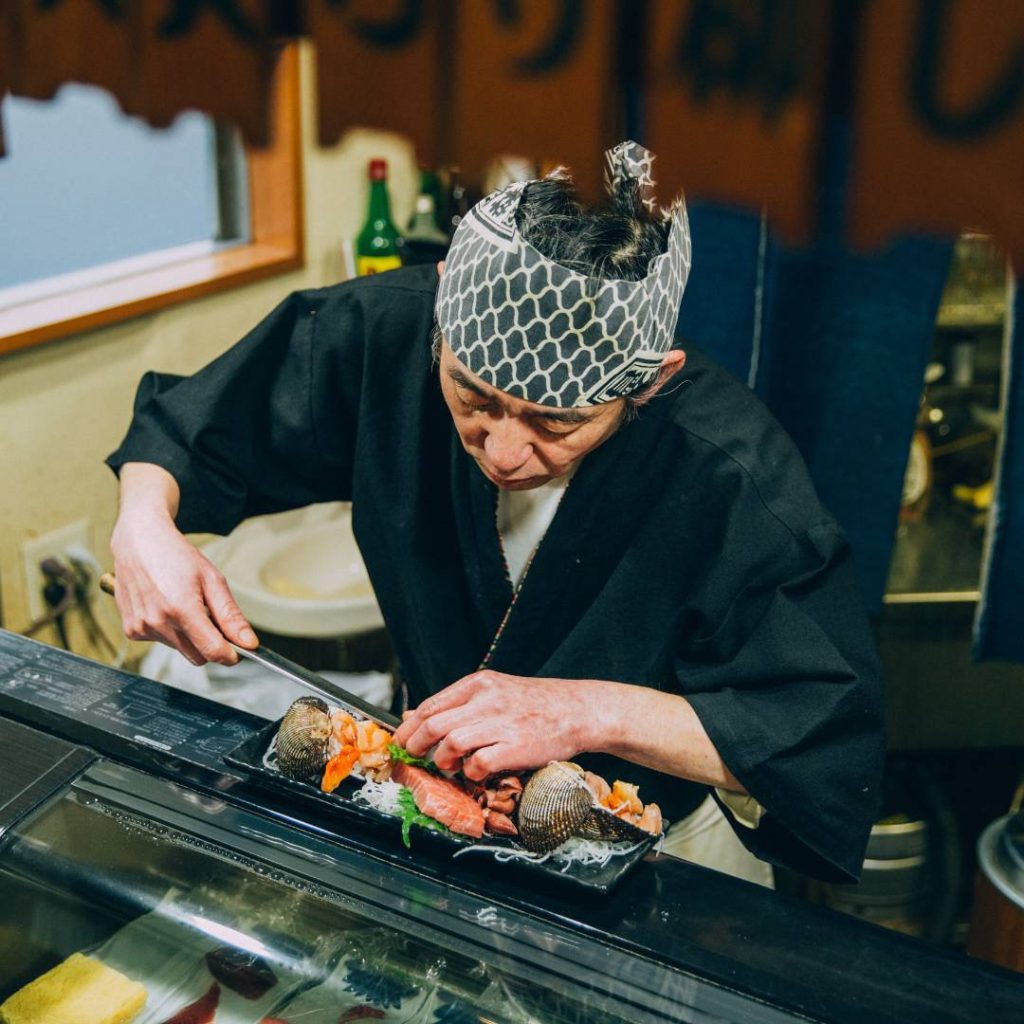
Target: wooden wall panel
point(736, 97)
point(215, 57)
point(379, 65)
point(541, 84)
point(74, 41)
point(940, 122)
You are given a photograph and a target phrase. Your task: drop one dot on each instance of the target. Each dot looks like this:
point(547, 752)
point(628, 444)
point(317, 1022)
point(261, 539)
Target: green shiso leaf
point(412, 815)
point(397, 753)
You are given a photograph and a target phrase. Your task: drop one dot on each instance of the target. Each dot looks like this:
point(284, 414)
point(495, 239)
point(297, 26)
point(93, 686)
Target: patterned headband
point(543, 333)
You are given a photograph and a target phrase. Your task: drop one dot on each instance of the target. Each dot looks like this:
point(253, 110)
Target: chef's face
point(519, 445)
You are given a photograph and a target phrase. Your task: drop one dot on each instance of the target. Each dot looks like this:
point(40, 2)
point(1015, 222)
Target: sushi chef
point(586, 543)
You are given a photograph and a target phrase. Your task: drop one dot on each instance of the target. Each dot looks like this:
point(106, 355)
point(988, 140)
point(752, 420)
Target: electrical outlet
point(76, 537)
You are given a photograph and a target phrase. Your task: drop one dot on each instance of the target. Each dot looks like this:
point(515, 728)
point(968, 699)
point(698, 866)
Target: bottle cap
point(378, 170)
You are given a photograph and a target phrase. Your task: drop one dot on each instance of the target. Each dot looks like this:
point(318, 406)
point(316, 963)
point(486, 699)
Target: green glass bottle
point(379, 245)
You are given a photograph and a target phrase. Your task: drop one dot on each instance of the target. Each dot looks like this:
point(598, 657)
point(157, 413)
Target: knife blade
point(320, 685)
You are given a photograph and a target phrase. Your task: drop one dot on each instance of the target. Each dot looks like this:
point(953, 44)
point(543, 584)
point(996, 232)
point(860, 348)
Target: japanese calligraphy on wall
point(736, 98)
point(733, 95)
point(940, 137)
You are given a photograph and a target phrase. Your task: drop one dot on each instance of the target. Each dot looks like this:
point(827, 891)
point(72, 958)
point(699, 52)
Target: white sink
point(299, 573)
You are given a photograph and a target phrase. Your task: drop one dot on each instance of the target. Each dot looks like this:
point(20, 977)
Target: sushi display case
point(133, 860)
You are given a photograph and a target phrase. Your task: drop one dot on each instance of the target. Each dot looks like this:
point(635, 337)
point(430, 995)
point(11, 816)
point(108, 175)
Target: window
point(83, 186)
point(95, 232)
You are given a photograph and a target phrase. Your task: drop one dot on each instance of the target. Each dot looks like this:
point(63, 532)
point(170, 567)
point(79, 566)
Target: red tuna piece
point(199, 1012)
point(364, 1012)
point(441, 799)
point(245, 973)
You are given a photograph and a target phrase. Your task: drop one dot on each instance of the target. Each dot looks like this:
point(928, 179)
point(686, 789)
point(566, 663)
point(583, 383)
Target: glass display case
point(210, 906)
point(123, 839)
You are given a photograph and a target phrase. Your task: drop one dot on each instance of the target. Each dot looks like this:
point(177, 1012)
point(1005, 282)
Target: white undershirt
point(524, 518)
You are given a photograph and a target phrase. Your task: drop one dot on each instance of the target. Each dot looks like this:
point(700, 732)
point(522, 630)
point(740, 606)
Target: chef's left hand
point(491, 722)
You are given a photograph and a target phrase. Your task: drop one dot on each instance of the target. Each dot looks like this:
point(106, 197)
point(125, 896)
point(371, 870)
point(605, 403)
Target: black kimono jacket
point(689, 553)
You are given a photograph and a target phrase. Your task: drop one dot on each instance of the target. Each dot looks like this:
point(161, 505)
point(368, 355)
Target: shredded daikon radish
point(270, 757)
point(504, 853)
point(585, 852)
point(381, 796)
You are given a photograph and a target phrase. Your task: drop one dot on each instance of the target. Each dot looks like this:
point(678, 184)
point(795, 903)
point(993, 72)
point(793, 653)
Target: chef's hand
point(490, 722)
point(166, 589)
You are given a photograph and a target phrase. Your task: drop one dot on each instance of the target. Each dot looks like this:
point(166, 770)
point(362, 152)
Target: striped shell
point(602, 824)
point(555, 805)
point(303, 737)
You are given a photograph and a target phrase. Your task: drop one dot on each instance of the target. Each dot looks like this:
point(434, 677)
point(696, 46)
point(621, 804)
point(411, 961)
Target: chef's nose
point(507, 444)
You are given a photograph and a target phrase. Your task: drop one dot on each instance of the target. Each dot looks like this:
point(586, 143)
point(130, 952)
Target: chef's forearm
point(658, 730)
point(167, 590)
point(148, 489)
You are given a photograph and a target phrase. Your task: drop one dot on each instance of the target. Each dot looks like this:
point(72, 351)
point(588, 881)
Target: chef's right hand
point(166, 589)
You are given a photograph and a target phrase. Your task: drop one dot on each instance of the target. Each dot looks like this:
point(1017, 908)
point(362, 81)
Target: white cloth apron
point(706, 838)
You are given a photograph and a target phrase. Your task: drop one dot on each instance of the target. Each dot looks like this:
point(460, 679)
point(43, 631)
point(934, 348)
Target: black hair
point(615, 239)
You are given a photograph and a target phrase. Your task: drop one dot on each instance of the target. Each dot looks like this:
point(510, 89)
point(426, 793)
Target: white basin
point(299, 573)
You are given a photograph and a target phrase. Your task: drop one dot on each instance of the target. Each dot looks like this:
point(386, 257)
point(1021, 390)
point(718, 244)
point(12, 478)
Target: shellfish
point(558, 803)
point(302, 739)
point(602, 824)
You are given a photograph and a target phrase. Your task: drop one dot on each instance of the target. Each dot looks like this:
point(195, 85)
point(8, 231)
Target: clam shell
point(303, 737)
point(602, 824)
point(555, 804)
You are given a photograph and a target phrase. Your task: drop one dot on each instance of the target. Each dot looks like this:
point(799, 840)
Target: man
point(581, 551)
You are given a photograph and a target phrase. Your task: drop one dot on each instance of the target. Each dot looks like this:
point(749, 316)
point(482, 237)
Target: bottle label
point(376, 264)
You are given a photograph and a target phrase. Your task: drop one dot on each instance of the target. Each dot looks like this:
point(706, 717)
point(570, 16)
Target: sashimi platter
point(559, 817)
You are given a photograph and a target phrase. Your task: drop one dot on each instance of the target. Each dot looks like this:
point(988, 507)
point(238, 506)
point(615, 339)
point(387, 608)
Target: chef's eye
point(555, 428)
point(471, 400)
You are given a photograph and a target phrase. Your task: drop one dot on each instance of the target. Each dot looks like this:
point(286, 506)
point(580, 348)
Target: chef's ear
point(440, 267)
point(670, 365)
point(673, 362)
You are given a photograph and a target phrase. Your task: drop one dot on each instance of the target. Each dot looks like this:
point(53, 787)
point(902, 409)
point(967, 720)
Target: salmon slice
point(441, 799)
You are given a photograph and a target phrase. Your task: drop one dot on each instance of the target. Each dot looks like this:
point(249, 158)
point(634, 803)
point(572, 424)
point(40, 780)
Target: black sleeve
point(267, 426)
point(789, 691)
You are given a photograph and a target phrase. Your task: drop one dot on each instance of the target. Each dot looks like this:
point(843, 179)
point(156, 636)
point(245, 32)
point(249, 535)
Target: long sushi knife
point(289, 669)
point(320, 685)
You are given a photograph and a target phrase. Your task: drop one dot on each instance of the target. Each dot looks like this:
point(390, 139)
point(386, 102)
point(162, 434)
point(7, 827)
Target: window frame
point(276, 245)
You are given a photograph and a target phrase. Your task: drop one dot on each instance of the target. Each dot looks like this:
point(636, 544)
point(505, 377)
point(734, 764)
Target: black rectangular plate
point(248, 756)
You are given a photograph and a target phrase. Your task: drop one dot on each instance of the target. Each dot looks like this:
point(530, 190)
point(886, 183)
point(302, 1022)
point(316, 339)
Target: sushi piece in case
point(81, 989)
